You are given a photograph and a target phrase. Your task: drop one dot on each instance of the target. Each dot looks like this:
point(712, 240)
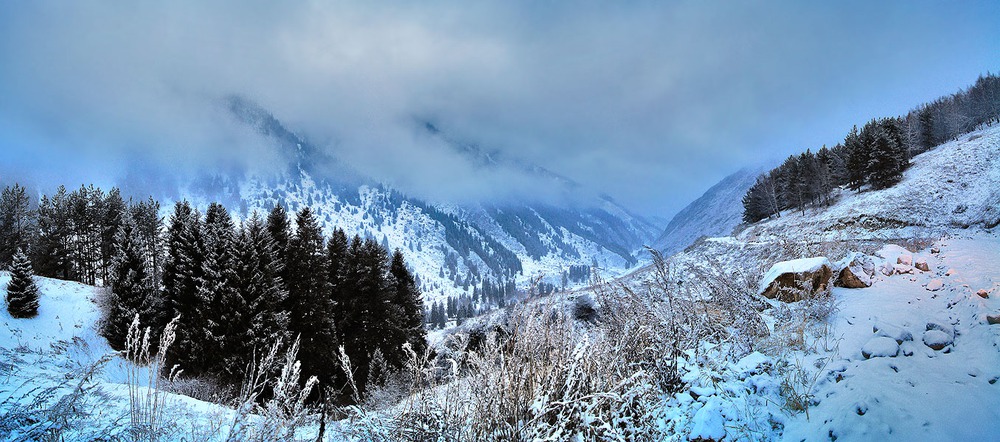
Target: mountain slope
point(452, 247)
point(715, 213)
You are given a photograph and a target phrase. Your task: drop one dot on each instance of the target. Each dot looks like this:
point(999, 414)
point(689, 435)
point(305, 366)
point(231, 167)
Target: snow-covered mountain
point(715, 213)
point(452, 247)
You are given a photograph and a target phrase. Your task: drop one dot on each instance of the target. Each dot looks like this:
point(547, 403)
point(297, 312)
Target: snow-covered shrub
point(284, 410)
point(146, 399)
point(69, 407)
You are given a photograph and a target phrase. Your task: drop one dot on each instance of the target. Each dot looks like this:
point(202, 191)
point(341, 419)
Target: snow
point(936, 339)
point(880, 347)
point(793, 266)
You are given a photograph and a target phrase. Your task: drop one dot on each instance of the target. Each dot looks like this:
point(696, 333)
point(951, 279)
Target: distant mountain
point(716, 213)
point(451, 247)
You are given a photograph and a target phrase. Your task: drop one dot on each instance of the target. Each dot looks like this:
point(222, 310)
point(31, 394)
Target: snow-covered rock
point(935, 285)
point(982, 293)
point(921, 264)
point(937, 339)
point(993, 319)
point(901, 269)
point(880, 347)
point(857, 271)
point(791, 281)
point(905, 259)
point(898, 334)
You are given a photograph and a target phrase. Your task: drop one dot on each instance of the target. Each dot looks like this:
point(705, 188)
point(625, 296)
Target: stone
point(901, 269)
point(993, 319)
point(937, 339)
point(792, 281)
point(921, 264)
point(942, 327)
point(983, 293)
point(905, 260)
point(898, 334)
point(880, 347)
point(857, 272)
point(950, 272)
point(935, 285)
point(935, 250)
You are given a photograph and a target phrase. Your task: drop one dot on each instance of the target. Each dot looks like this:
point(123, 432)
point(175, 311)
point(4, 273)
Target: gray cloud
point(650, 103)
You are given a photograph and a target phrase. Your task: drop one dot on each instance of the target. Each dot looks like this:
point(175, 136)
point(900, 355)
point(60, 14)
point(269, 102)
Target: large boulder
point(791, 281)
point(857, 272)
point(880, 347)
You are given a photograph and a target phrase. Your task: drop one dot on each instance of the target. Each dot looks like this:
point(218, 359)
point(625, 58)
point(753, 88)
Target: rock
point(857, 272)
point(898, 334)
point(942, 327)
point(935, 250)
point(900, 269)
point(791, 281)
point(905, 260)
point(935, 285)
point(921, 265)
point(993, 319)
point(880, 347)
point(983, 293)
point(950, 272)
point(937, 339)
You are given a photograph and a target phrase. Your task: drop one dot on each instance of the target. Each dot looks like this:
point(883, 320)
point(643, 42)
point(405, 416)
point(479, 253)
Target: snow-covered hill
point(715, 213)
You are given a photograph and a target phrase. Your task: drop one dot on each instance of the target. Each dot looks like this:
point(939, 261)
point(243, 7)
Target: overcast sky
point(650, 102)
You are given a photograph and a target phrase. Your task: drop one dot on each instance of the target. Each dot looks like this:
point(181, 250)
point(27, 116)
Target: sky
point(649, 102)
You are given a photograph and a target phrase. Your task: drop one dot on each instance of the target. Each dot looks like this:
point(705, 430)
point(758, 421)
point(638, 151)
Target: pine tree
point(310, 304)
point(408, 298)
point(131, 288)
point(857, 159)
point(22, 293)
point(182, 273)
point(259, 285)
point(220, 304)
point(15, 223)
point(51, 246)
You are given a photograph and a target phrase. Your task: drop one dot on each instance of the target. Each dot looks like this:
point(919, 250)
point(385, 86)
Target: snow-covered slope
point(951, 187)
point(58, 359)
point(715, 213)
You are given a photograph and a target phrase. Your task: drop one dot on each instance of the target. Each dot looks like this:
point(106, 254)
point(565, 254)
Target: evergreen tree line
point(236, 288)
point(876, 155)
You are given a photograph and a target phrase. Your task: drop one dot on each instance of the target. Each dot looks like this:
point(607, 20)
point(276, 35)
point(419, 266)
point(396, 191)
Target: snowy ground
point(904, 392)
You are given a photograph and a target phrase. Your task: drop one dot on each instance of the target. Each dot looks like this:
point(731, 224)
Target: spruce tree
point(310, 304)
point(407, 297)
point(15, 223)
point(182, 273)
point(260, 286)
point(51, 247)
point(131, 289)
point(219, 305)
point(22, 293)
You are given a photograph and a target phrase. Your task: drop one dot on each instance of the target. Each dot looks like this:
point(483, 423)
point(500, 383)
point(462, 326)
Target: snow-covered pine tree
point(51, 243)
point(258, 283)
point(886, 154)
point(131, 288)
point(22, 293)
point(857, 159)
point(408, 298)
point(15, 223)
point(220, 304)
point(182, 272)
point(280, 231)
point(309, 298)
